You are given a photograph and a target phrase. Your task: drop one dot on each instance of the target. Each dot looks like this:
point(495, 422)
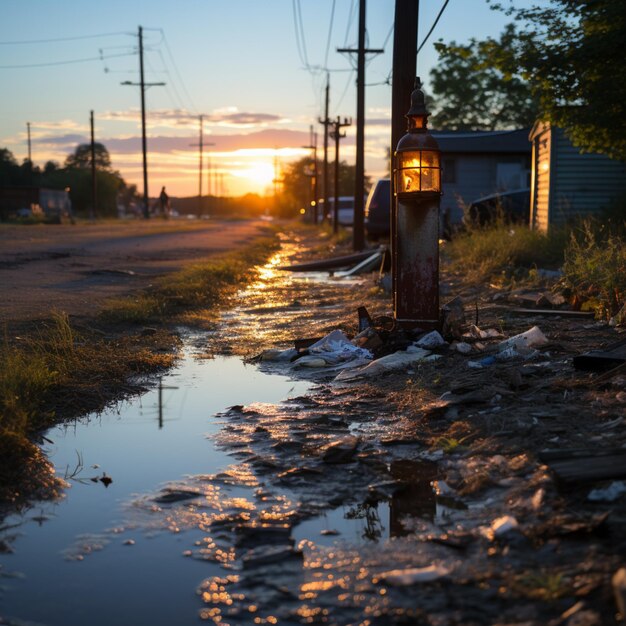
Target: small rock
point(411, 576)
point(341, 451)
point(463, 347)
point(503, 525)
point(619, 590)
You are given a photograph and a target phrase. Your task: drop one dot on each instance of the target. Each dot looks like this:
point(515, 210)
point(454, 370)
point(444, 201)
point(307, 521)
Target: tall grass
point(595, 268)
point(503, 250)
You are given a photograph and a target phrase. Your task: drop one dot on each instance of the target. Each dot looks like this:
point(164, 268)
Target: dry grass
point(199, 286)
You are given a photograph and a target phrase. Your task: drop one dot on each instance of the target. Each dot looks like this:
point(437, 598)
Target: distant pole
point(144, 145)
point(200, 176)
point(337, 135)
point(312, 173)
point(358, 240)
point(94, 180)
point(404, 66)
point(316, 179)
point(326, 123)
point(29, 145)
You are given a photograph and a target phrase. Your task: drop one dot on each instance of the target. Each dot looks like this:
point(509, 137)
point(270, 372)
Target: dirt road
point(75, 268)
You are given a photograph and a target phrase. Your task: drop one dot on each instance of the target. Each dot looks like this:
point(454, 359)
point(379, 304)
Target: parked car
point(346, 210)
point(511, 206)
point(377, 211)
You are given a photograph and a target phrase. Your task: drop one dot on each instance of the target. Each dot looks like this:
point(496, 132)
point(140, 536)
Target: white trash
point(430, 341)
point(391, 362)
point(532, 338)
point(609, 494)
point(404, 577)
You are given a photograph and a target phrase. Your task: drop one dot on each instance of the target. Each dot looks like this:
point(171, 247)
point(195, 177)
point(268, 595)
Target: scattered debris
point(609, 494)
point(619, 590)
point(391, 362)
point(586, 464)
point(413, 575)
point(430, 340)
point(602, 360)
point(340, 262)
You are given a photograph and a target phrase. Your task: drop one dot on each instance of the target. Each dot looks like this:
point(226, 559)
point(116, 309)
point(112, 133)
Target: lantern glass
point(418, 170)
point(417, 122)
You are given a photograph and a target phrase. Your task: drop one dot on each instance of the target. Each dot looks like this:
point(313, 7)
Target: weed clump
point(484, 252)
point(595, 269)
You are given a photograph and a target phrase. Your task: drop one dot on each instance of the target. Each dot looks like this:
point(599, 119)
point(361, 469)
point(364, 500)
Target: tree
point(81, 157)
point(297, 182)
point(471, 92)
point(572, 51)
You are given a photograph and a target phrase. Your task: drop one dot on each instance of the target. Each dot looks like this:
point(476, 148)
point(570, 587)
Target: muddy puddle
point(91, 558)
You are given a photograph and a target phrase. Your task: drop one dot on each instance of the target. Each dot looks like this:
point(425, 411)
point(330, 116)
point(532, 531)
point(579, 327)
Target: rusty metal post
point(415, 260)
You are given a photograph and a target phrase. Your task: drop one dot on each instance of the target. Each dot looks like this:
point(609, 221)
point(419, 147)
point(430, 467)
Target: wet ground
point(414, 498)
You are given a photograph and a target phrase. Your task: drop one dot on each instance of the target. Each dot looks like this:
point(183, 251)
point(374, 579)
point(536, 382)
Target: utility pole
point(404, 66)
point(94, 180)
point(200, 173)
point(358, 241)
point(144, 146)
point(326, 123)
point(337, 135)
point(201, 145)
point(29, 146)
point(313, 174)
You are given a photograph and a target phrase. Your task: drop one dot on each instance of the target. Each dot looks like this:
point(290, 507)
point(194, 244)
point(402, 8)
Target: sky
point(255, 70)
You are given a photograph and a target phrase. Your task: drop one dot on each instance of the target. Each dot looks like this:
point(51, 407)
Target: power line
point(432, 28)
point(68, 62)
point(330, 32)
point(178, 74)
point(31, 41)
point(349, 24)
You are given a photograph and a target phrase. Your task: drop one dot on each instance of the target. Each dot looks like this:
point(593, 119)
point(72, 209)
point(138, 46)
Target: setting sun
point(259, 172)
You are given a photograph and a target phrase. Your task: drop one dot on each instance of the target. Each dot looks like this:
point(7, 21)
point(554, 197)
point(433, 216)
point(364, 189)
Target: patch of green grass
point(542, 585)
point(505, 250)
point(201, 285)
point(595, 269)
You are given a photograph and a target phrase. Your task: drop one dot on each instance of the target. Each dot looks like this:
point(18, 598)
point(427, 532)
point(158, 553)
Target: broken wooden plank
point(549, 312)
point(581, 465)
point(602, 360)
point(335, 263)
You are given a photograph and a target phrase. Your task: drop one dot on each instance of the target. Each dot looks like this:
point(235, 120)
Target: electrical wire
point(68, 62)
point(178, 74)
point(58, 39)
point(330, 32)
point(349, 24)
point(432, 28)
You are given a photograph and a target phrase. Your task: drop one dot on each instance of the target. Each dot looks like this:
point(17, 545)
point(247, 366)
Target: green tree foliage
point(81, 157)
point(76, 175)
point(297, 182)
point(572, 52)
point(472, 92)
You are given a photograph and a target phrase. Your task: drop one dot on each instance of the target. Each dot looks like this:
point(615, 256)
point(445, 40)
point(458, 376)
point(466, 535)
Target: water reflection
point(135, 550)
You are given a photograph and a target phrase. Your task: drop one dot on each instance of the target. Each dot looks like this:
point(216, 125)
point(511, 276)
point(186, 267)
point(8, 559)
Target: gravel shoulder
point(76, 268)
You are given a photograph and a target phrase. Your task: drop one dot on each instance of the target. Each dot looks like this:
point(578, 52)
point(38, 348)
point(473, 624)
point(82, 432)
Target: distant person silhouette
point(164, 200)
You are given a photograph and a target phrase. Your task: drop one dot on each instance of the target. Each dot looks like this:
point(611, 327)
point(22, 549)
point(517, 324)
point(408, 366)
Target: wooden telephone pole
point(358, 242)
point(403, 73)
point(144, 145)
point(337, 135)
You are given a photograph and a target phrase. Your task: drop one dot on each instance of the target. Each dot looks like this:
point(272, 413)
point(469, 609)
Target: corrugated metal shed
point(480, 163)
point(567, 184)
point(480, 142)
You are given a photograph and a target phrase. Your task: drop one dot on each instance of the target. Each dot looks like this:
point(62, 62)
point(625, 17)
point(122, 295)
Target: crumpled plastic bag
point(332, 350)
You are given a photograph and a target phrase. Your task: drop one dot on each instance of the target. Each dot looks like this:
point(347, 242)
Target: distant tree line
point(74, 174)
point(297, 181)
